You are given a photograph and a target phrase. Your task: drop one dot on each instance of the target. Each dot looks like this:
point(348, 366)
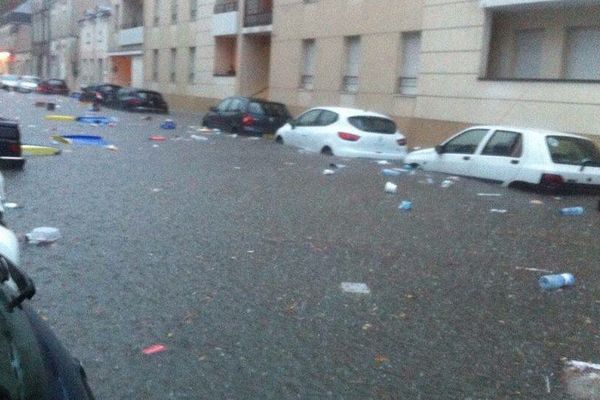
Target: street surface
point(231, 253)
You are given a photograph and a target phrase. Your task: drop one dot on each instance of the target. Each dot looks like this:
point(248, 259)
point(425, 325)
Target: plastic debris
point(155, 146)
point(111, 147)
point(12, 205)
point(199, 138)
point(168, 124)
point(536, 202)
point(328, 172)
point(355, 287)
point(147, 118)
point(391, 172)
point(534, 270)
point(489, 194)
point(582, 380)
point(88, 140)
point(405, 205)
point(32, 150)
point(556, 281)
point(94, 120)
point(336, 166)
point(59, 117)
point(157, 138)
point(446, 183)
point(383, 162)
point(572, 211)
point(391, 188)
point(498, 211)
point(155, 348)
point(43, 235)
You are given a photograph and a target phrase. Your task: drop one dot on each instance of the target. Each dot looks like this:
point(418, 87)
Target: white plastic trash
point(447, 183)
point(391, 188)
point(328, 172)
point(44, 234)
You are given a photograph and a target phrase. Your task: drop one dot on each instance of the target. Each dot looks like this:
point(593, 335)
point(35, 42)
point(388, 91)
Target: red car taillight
point(247, 120)
point(401, 142)
point(552, 180)
point(351, 137)
point(14, 148)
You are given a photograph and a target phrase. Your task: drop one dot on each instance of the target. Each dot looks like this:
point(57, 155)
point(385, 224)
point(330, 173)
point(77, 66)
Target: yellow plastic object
point(32, 150)
point(60, 139)
point(60, 117)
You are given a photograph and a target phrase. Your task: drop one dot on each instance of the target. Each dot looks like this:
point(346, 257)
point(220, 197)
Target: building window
point(528, 53)
point(308, 64)
point(173, 66)
point(225, 55)
point(155, 65)
point(173, 11)
point(350, 81)
point(192, 65)
point(583, 54)
point(100, 70)
point(156, 12)
point(410, 62)
point(193, 10)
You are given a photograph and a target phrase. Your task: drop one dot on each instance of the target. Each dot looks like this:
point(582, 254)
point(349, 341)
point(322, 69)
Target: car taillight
point(401, 142)
point(552, 180)
point(14, 148)
point(351, 137)
point(247, 120)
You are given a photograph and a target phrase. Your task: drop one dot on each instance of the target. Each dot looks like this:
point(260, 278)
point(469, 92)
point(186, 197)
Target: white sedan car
point(9, 82)
point(28, 84)
point(344, 132)
point(512, 155)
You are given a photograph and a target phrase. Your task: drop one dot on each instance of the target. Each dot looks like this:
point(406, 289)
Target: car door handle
point(514, 161)
point(466, 158)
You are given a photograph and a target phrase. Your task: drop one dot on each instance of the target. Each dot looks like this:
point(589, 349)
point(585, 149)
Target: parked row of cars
point(29, 83)
point(125, 98)
point(507, 155)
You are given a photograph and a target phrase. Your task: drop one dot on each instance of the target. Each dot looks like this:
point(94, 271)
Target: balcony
point(225, 6)
point(225, 24)
point(131, 36)
point(258, 13)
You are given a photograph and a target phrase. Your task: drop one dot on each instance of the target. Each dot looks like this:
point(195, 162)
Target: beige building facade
point(439, 65)
point(94, 36)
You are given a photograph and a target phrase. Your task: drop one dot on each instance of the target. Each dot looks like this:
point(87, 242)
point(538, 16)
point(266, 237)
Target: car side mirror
point(213, 109)
point(439, 149)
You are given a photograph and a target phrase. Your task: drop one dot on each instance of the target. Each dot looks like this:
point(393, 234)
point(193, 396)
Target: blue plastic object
point(168, 124)
point(551, 282)
point(93, 119)
point(90, 140)
point(572, 211)
point(405, 205)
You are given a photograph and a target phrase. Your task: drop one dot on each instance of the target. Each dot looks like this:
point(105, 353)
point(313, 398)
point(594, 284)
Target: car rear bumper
point(12, 162)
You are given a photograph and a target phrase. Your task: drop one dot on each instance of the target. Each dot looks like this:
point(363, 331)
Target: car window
point(224, 105)
point(275, 109)
point(505, 144)
point(309, 118)
point(235, 105)
point(327, 118)
point(9, 132)
point(256, 108)
point(573, 151)
point(373, 124)
point(465, 143)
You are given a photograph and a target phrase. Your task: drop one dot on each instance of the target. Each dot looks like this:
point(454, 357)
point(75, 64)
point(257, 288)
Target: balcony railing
point(134, 23)
point(224, 6)
point(306, 82)
point(258, 12)
point(406, 86)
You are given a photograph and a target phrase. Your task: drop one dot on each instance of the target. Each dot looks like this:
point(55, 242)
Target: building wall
point(93, 46)
point(185, 34)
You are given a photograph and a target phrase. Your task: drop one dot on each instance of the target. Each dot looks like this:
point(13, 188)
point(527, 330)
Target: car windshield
point(10, 78)
point(150, 96)
point(573, 151)
point(270, 109)
point(373, 124)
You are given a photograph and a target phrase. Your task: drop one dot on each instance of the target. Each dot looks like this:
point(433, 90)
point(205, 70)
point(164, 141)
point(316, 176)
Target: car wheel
point(279, 140)
point(327, 151)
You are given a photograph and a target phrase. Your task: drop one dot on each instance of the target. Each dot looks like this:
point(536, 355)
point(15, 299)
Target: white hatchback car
point(28, 83)
point(513, 155)
point(344, 132)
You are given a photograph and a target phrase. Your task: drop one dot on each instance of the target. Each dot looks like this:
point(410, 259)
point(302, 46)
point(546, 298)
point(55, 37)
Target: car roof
point(527, 131)
point(352, 112)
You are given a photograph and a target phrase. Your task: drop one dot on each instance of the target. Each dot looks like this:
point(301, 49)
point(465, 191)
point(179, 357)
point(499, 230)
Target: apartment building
point(127, 44)
point(95, 31)
point(15, 40)
point(437, 66)
point(198, 51)
point(55, 35)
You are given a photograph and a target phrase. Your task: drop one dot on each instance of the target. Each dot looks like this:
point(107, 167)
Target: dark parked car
point(107, 90)
point(33, 363)
point(141, 100)
point(10, 145)
point(53, 86)
point(247, 115)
